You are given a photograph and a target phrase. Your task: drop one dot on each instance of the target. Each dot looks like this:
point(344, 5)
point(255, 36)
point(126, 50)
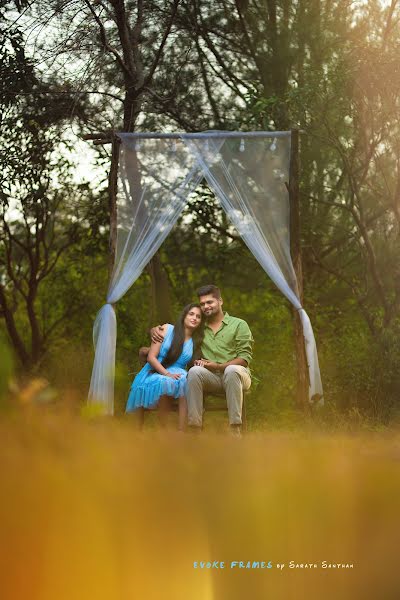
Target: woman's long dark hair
point(179, 337)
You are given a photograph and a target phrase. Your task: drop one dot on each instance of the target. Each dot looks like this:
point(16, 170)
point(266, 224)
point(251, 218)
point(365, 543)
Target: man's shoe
point(194, 429)
point(236, 430)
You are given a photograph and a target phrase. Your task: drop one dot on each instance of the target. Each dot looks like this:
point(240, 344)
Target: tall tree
point(119, 46)
point(41, 208)
point(329, 68)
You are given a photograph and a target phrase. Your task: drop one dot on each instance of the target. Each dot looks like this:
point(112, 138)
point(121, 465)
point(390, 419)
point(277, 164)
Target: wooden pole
point(295, 250)
point(112, 202)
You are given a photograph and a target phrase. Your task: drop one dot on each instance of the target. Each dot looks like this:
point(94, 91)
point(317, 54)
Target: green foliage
point(328, 68)
point(47, 220)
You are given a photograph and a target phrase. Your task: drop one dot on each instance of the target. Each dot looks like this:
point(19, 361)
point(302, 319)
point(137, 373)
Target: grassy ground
point(94, 509)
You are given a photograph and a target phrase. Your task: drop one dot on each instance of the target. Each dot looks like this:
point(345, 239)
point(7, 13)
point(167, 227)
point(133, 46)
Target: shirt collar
point(225, 320)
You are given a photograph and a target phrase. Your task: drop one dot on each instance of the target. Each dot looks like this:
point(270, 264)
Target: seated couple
point(216, 347)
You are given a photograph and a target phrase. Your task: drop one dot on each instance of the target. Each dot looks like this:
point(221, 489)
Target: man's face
point(210, 305)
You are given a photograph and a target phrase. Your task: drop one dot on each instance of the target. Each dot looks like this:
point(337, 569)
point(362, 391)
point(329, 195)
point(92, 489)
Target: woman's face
point(193, 318)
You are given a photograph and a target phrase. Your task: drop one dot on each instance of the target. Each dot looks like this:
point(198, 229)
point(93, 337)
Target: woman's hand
point(173, 375)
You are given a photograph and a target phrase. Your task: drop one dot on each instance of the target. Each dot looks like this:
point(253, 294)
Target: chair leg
point(143, 353)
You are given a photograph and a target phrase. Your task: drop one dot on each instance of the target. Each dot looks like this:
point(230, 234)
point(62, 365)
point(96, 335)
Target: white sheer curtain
point(249, 179)
point(247, 175)
point(155, 179)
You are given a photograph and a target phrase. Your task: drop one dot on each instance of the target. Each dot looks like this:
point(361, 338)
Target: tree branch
point(360, 299)
point(160, 50)
point(103, 38)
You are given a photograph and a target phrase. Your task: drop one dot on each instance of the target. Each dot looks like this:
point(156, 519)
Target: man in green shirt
point(224, 366)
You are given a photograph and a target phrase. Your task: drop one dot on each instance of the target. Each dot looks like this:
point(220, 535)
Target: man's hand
point(201, 362)
point(207, 364)
point(213, 366)
point(157, 334)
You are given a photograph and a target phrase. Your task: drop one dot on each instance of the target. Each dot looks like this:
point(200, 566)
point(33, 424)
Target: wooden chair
point(213, 402)
point(218, 406)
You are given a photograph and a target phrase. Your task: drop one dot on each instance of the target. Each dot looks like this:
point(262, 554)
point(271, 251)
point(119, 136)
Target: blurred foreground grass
point(93, 509)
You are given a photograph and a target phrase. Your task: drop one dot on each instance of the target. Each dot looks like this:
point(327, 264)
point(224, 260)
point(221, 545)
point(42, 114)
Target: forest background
point(330, 68)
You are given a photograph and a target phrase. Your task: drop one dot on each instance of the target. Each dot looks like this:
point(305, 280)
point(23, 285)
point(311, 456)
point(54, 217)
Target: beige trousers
point(232, 381)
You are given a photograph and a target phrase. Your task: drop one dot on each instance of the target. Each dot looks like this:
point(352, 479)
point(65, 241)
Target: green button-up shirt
point(232, 340)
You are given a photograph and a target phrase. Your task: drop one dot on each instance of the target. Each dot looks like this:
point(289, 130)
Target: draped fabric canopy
point(248, 174)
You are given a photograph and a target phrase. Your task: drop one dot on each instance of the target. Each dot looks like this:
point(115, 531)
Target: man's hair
point(205, 290)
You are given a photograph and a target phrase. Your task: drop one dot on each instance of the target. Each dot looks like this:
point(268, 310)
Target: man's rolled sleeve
point(244, 342)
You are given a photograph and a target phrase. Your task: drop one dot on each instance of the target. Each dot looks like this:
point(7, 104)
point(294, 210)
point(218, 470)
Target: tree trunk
point(161, 305)
point(112, 203)
point(36, 339)
point(130, 62)
point(15, 339)
point(295, 250)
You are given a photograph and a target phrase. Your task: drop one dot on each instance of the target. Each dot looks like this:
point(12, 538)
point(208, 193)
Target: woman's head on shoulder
point(191, 321)
point(191, 317)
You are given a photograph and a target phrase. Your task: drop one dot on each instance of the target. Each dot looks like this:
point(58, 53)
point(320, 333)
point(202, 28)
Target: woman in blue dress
point(164, 375)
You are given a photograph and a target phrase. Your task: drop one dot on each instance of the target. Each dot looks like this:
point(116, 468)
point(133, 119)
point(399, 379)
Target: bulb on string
point(278, 174)
point(173, 146)
point(241, 147)
point(137, 144)
point(273, 146)
point(207, 145)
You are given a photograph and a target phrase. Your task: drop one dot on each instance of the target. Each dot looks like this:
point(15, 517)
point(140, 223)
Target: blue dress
point(148, 385)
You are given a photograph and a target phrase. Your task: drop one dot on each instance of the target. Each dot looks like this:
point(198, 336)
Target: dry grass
point(93, 509)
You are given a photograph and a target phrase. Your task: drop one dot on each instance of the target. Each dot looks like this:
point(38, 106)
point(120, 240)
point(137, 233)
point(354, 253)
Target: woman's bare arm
point(154, 362)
